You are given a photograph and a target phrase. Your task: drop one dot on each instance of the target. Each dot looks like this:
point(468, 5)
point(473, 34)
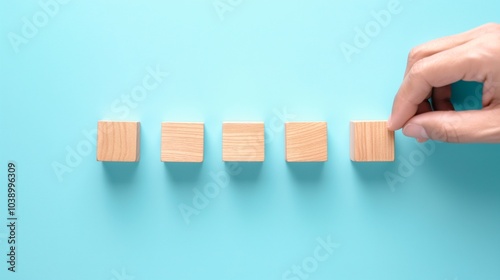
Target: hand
point(431, 69)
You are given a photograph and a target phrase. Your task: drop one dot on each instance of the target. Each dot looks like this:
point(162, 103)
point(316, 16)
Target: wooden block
point(306, 141)
point(182, 142)
point(243, 142)
point(371, 141)
point(118, 141)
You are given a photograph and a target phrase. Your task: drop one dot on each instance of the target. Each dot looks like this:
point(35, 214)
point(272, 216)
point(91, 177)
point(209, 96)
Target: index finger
point(438, 70)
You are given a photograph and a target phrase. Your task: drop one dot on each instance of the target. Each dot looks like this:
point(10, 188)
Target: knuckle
point(486, 50)
point(417, 69)
point(450, 133)
point(414, 55)
point(476, 57)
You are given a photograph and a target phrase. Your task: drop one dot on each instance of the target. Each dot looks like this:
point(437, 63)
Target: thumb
point(456, 127)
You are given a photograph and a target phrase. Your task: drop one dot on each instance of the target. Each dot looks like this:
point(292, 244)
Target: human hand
point(431, 69)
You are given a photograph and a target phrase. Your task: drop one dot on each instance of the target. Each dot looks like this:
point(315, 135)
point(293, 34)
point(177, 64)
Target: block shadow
point(244, 171)
point(372, 172)
point(180, 172)
point(120, 173)
point(306, 172)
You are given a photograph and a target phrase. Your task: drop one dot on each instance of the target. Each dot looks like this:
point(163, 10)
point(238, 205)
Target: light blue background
point(442, 222)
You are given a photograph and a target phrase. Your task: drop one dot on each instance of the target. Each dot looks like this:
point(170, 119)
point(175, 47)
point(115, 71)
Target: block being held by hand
point(118, 141)
point(306, 142)
point(182, 142)
point(371, 141)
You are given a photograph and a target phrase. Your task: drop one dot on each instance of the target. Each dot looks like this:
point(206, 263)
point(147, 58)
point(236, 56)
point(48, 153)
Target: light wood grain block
point(182, 142)
point(371, 141)
point(243, 142)
point(306, 141)
point(118, 141)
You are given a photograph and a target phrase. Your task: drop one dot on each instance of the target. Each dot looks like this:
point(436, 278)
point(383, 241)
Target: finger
point(490, 90)
point(446, 43)
point(438, 70)
point(479, 126)
point(441, 99)
point(424, 107)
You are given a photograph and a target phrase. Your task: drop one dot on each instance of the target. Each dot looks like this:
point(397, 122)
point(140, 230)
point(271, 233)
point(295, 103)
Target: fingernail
point(415, 131)
point(389, 122)
point(422, 140)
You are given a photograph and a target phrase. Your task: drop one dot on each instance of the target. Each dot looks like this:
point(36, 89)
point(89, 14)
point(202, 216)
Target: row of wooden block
point(244, 142)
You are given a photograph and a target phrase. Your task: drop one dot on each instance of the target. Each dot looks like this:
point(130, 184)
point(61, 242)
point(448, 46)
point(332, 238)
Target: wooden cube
point(306, 141)
point(371, 141)
point(243, 142)
point(118, 141)
point(182, 142)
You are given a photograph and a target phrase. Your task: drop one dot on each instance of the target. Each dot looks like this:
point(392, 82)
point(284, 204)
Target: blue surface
point(440, 219)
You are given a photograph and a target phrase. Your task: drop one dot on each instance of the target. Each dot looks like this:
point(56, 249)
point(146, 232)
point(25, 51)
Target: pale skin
point(431, 69)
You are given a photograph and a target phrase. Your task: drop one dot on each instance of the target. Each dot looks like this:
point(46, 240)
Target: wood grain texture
point(371, 141)
point(182, 142)
point(243, 142)
point(306, 141)
point(118, 141)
